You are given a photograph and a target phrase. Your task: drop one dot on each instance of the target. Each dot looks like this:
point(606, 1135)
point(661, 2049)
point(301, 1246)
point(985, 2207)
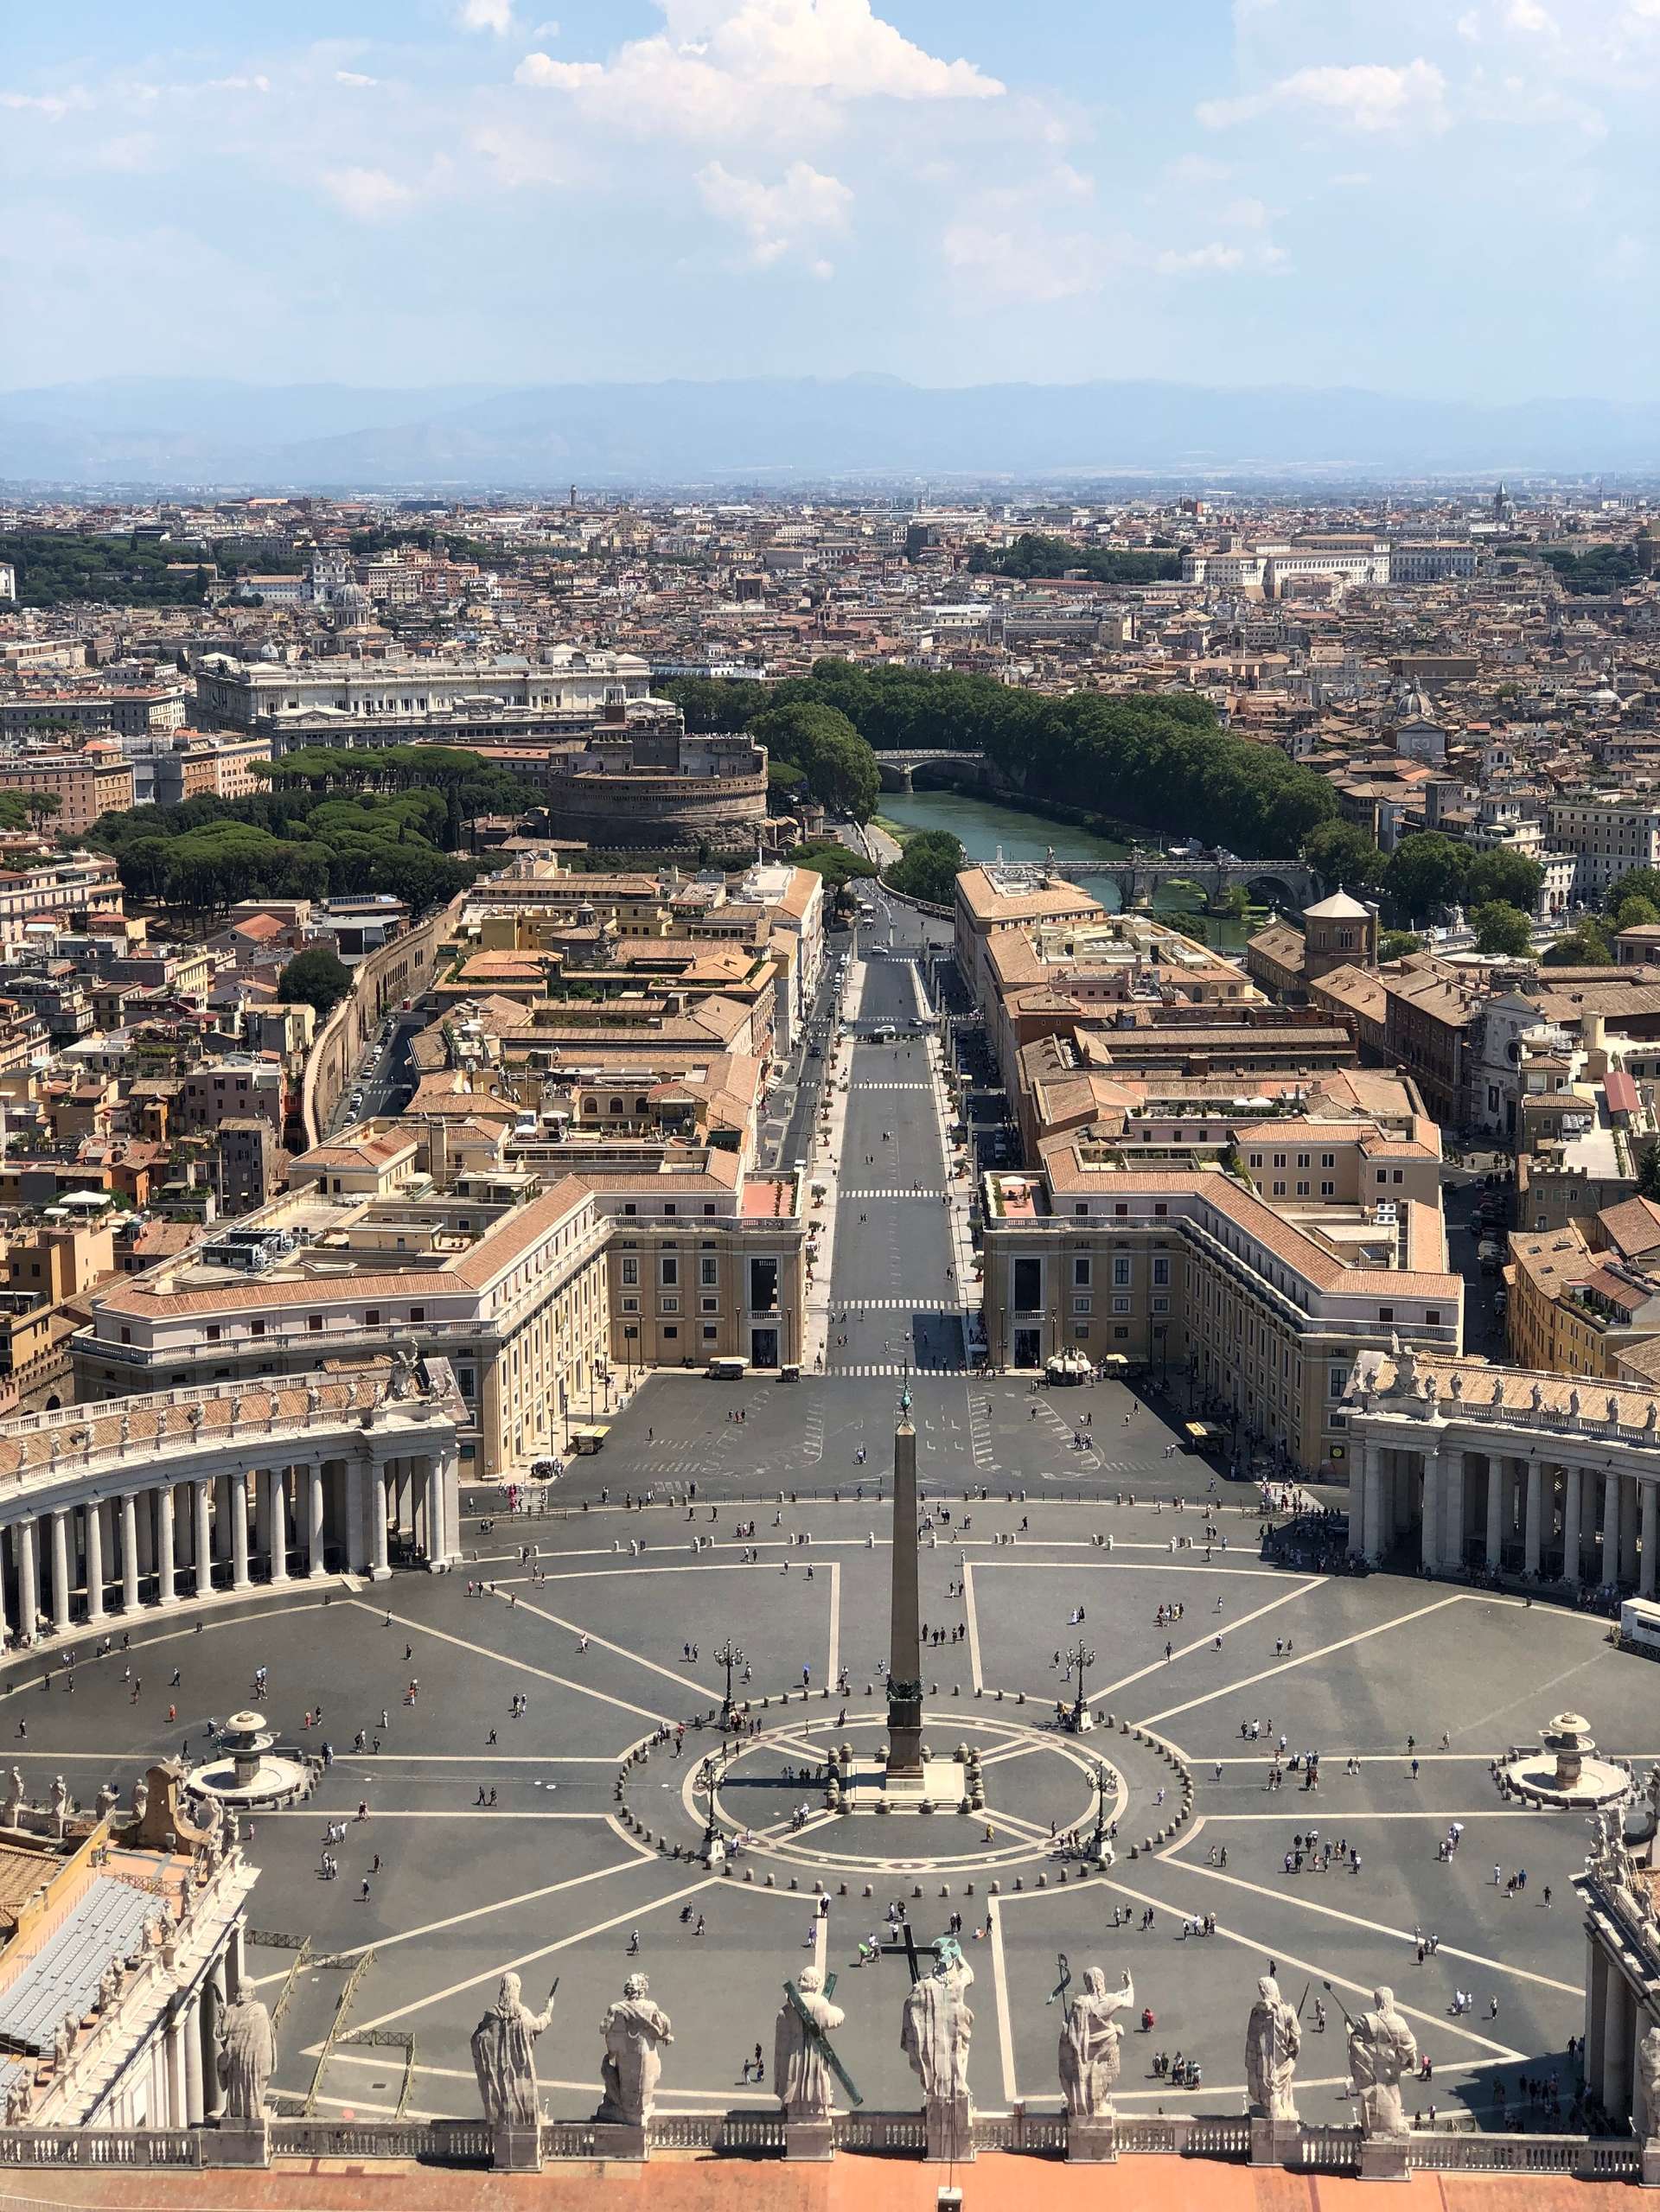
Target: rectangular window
point(1081, 1305)
point(1120, 1268)
point(1028, 1286)
point(1081, 1274)
point(763, 1286)
point(668, 1305)
point(669, 1270)
point(630, 1305)
point(630, 1269)
point(1328, 1189)
point(314, 1322)
point(1160, 1269)
point(708, 1273)
point(1120, 1305)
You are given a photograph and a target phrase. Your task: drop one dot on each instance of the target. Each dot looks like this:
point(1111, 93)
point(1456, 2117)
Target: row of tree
point(201, 857)
point(1162, 761)
point(1036, 553)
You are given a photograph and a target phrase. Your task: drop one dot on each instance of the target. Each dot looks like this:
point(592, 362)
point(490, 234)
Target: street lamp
point(728, 1656)
point(1103, 1779)
point(1078, 1660)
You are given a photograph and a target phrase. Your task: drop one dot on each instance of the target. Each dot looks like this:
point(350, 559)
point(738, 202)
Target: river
point(985, 828)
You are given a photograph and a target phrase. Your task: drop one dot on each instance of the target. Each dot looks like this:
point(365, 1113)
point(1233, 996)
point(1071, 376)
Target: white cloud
point(557, 76)
point(1246, 214)
point(1214, 255)
point(1196, 169)
point(353, 77)
point(724, 66)
point(486, 15)
point(1367, 96)
point(779, 219)
point(53, 105)
point(1528, 15)
point(369, 194)
point(1025, 264)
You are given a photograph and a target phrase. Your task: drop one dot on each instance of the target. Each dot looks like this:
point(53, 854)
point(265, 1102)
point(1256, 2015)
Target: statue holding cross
point(804, 2064)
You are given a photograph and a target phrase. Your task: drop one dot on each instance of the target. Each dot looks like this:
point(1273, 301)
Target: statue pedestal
point(618, 2139)
point(516, 2150)
point(1649, 2172)
point(809, 2138)
point(1275, 2142)
point(1091, 2137)
point(237, 2143)
point(950, 2132)
point(1384, 2157)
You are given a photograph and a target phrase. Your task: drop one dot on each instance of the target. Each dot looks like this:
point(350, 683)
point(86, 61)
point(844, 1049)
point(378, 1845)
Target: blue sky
point(1439, 196)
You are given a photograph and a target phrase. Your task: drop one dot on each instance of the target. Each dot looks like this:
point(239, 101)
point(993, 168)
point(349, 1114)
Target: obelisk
point(904, 1631)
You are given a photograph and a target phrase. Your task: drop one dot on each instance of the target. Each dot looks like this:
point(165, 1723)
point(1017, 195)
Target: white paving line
point(621, 1651)
point(545, 1951)
point(832, 1662)
point(1205, 1642)
point(1441, 2024)
point(1000, 1987)
point(478, 1912)
point(973, 1619)
point(1301, 1659)
point(519, 1666)
point(1359, 1919)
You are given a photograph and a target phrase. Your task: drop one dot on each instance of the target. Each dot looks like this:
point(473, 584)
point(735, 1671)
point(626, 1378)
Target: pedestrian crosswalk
point(933, 1302)
point(901, 1367)
point(895, 1086)
point(935, 1195)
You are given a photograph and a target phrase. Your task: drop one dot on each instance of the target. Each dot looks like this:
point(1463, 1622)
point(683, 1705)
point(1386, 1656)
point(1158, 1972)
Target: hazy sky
point(1452, 196)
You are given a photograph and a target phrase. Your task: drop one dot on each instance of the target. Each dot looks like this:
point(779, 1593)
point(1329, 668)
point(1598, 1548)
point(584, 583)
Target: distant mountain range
point(133, 432)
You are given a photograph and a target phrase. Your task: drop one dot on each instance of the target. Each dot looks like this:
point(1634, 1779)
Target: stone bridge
point(1290, 884)
point(898, 767)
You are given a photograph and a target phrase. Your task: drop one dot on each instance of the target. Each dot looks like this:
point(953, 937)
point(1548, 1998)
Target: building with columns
point(1620, 1891)
point(109, 1510)
point(1455, 1464)
point(129, 1923)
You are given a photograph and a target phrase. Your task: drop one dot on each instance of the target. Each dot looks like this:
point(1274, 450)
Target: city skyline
point(469, 190)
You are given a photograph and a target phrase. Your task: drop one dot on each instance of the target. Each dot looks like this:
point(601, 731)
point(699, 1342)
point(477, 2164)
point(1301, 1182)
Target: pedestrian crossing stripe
point(933, 1302)
point(935, 1195)
point(894, 1086)
point(901, 1367)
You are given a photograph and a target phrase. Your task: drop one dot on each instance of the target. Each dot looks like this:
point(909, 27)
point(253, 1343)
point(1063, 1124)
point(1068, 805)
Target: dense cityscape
point(714, 1075)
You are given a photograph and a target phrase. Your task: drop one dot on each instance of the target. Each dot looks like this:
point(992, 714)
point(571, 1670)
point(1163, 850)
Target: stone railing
point(752, 2131)
point(75, 1440)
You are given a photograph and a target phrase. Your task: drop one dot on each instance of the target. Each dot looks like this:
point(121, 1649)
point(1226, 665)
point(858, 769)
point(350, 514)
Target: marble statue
point(57, 1803)
point(140, 1797)
point(60, 2047)
point(504, 2056)
point(1382, 2049)
point(108, 1984)
point(1273, 2039)
point(1648, 2073)
point(800, 2073)
point(1090, 2040)
point(938, 2026)
point(634, 2029)
point(18, 2104)
point(13, 1805)
point(247, 2051)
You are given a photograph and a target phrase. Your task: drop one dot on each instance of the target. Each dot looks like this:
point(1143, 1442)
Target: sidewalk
point(823, 1158)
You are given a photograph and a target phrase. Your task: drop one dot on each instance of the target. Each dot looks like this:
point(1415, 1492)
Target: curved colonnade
point(112, 1509)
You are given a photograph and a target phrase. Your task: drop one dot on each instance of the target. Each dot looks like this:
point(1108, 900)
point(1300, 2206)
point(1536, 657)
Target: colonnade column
point(129, 1552)
point(1495, 1509)
point(1611, 1528)
point(1629, 1501)
point(239, 1532)
point(1649, 1495)
point(1533, 1515)
point(1618, 2007)
point(60, 1568)
point(277, 1522)
point(314, 1502)
point(375, 1495)
point(202, 1488)
point(1571, 1478)
point(164, 1592)
point(28, 1583)
point(178, 2109)
point(1429, 1542)
point(1452, 1540)
point(94, 1518)
point(190, 2022)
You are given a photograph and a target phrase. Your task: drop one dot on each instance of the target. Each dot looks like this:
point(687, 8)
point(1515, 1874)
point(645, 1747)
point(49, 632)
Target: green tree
point(1511, 876)
point(929, 866)
point(1424, 872)
point(1396, 944)
point(1584, 948)
point(840, 767)
point(1342, 853)
point(1648, 1174)
point(1502, 929)
point(1635, 913)
point(1637, 884)
point(318, 977)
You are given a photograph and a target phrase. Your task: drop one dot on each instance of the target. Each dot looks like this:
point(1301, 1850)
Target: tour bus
point(728, 1367)
point(1639, 1626)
